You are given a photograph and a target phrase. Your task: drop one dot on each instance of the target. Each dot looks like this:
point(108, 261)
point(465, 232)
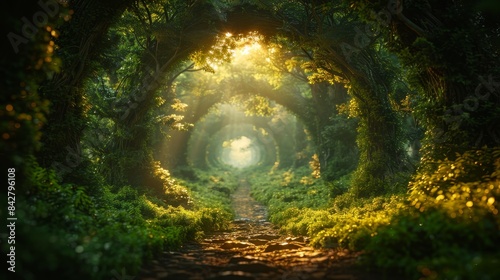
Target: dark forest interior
point(368, 129)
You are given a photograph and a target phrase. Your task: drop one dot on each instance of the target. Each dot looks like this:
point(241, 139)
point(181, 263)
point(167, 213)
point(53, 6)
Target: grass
point(82, 235)
point(302, 205)
point(445, 227)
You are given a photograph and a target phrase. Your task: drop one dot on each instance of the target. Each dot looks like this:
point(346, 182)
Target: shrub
point(304, 209)
point(82, 235)
point(451, 228)
point(435, 246)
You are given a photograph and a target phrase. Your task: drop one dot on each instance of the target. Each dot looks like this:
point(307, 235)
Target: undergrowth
point(110, 232)
point(302, 205)
point(450, 228)
point(445, 227)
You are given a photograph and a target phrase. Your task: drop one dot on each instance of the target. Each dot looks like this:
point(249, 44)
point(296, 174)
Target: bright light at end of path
point(240, 153)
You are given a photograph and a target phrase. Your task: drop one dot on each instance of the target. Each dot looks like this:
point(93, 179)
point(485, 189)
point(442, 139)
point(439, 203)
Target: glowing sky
point(240, 153)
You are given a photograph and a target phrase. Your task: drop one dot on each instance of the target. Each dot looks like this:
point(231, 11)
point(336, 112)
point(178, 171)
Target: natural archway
point(105, 98)
point(273, 138)
point(369, 79)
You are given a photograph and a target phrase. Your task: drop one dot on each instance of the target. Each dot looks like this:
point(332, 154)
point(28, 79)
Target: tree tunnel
point(366, 125)
point(125, 65)
point(239, 146)
point(262, 110)
point(240, 152)
point(270, 140)
point(310, 77)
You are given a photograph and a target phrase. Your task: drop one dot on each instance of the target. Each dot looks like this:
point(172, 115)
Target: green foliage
point(466, 186)
point(448, 228)
point(339, 139)
point(451, 226)
point(432, 245)
point(258, 106)
point(283, 189)
point(414, 236)
point(23, 66)
point(305, 209)
point(350, 227)
point(104, 231)
point(210, 189)
point(340, 186)
point(170, 191)
point(447, 65)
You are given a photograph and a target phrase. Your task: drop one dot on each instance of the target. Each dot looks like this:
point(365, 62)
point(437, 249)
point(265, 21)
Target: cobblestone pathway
point(252, 249)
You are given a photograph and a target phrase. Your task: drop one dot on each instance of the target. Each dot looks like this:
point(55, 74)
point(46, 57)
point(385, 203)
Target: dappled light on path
point(130, 128)
point(245, 207)
point(253, 249)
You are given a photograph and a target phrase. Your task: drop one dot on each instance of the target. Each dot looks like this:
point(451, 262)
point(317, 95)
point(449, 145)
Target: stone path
point(252, 249)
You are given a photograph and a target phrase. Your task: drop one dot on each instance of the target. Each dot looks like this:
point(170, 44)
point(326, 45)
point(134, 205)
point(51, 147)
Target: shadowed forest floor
point(253, 249)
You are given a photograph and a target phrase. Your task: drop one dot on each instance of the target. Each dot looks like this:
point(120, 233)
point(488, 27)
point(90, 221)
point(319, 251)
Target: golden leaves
point(315, 166)
point(491, 200)
point(460, 186)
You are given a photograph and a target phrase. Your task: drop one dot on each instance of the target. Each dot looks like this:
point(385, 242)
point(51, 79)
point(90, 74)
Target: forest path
point(252, 249)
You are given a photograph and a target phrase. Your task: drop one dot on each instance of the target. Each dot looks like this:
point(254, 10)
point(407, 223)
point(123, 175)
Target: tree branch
point(410, 24)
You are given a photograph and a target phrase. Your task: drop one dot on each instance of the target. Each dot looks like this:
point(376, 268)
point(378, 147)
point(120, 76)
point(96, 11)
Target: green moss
point(105, 232)
point(302, 208)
